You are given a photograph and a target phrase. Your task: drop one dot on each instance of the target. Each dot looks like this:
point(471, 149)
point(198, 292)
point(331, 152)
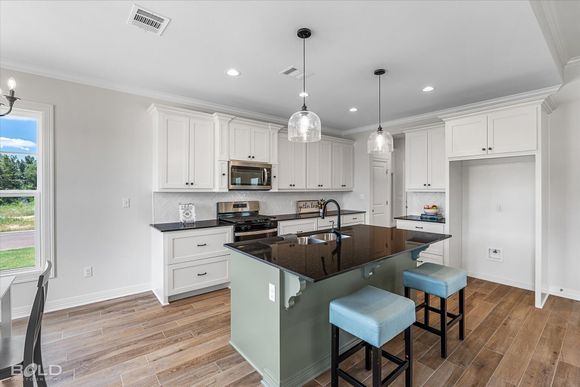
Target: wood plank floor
point(133, 341)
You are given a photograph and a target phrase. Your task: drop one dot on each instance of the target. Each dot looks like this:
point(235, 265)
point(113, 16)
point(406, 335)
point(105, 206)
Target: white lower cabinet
point(313, 224)
point(189, 262)
point(296, 226)
point(434, 253)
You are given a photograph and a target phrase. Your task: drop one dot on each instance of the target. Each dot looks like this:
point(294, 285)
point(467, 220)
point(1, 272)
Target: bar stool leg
point(426, 311)
point(334, 356)
point(377, 363)
point(367, 357)
point(443, 325)
point(409, 357)
point(462, 313)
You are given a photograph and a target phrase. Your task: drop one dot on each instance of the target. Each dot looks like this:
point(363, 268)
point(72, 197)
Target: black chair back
point(32, 365)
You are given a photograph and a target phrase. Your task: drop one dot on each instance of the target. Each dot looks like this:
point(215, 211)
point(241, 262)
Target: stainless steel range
point(247, 221)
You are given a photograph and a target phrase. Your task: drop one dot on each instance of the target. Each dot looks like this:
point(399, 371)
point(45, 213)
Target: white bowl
point(431, 211)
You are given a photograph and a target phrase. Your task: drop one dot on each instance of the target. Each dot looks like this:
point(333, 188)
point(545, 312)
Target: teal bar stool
point(375, 316)
point(443, 282)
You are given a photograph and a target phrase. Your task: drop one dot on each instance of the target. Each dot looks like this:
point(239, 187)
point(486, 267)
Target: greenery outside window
point(26, 190)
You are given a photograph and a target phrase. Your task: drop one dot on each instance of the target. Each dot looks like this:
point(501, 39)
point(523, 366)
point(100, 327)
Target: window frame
point(44, 193)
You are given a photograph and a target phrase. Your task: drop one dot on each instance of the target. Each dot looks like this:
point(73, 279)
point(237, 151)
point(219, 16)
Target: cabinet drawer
point(426, 257)
point(437, 228)
point(185, 246)
point(185, 277)
point(296, 226)
point(352, 219)
point(326, 222)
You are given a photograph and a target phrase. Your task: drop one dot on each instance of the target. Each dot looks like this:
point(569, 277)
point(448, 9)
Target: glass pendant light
point(380, 142)
point(304, 125)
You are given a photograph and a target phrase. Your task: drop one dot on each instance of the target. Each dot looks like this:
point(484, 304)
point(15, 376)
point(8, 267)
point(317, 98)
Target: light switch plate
point(272, 292)
point(126, 202)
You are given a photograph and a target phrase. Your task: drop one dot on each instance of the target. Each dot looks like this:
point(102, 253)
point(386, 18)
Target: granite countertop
point(310, 215)
point(178, 226)
point(316, 262)
point(417, 218)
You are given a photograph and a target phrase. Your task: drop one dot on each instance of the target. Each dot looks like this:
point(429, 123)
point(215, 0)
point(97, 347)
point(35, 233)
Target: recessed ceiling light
point(353, 109)
point(303, 94)
point(233, 73)
point(428, 89)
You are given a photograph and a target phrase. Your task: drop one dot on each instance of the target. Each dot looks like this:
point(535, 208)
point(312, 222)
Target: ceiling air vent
point(293, 72)
point(147, 20)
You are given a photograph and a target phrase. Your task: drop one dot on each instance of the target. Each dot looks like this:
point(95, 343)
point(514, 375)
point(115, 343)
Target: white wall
point(499, 212)
point(564, 257)
point(103, 142)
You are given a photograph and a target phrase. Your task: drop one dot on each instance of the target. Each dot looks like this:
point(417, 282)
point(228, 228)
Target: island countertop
point(363, 245)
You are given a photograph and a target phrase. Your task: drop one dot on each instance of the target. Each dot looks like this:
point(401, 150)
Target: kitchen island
point(281, 288)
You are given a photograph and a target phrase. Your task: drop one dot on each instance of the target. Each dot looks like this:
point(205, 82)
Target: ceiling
point(470, 51)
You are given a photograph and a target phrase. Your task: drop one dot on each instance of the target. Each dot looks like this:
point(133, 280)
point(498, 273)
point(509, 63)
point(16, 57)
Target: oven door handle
point(265, 176)
point(259, 232)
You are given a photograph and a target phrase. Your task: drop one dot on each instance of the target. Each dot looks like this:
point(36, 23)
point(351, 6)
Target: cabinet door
point(337, 166)
point(416, 160)
point(312, 165)
point(173, 152)
point(324, 164)
point(436, 163)
point(296, 226)
point(285, 163)
point(466, 136)
point(261, 145)
point(201, 154)
point(513, 130)
point(240, 142)
point(299, 165)
point(347, 166)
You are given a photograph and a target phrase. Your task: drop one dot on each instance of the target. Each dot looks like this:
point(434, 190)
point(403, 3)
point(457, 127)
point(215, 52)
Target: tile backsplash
point(416, 201)
point(165, 204)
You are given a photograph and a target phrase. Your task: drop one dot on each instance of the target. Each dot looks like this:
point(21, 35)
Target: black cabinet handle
point(419, 228)
point(201, 245)
point(489, 148)
point(428, 185)
point(186, 183)
point(249, 157)
point(202, 274)
point(223, 174)
point(482, 149)
point(253, 157)
point(273, 177)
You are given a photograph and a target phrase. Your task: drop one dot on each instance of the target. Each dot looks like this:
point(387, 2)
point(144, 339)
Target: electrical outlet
point(126, 202)
point(272, 292)
point(88, 271)
point(495, 254)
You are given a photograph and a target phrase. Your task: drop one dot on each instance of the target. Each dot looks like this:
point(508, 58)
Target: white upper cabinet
point(319, 161)
point(467, 136)
point(416, 154)
point(173, 151)
point(342, 166)
point(436, 159)
point(249, 142)
point(184, 154)
point(512, 130)
point(506, 131)
point(292, 164)
point(425, 160)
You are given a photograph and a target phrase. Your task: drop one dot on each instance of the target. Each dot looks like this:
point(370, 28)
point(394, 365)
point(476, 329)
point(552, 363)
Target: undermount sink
point(327, 236)
point(308, 240)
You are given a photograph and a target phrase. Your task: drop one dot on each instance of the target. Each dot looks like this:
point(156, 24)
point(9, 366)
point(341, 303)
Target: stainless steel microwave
point(246, 175)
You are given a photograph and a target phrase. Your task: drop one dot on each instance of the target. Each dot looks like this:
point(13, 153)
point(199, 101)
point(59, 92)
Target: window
point(26, 227)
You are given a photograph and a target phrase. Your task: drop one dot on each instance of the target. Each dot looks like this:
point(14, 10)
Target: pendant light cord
point(304, 74)
point(379, 128)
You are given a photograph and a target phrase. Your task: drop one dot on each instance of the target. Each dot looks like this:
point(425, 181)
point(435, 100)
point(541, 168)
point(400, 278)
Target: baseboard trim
point(500, 280)
point(566, 293)
point(71, 302)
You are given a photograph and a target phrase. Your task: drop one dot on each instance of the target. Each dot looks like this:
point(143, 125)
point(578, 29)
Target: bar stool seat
point(372, 315)
point(438, 280)
point(375, 316)
point(441, 281)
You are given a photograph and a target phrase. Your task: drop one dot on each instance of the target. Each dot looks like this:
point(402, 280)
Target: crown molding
point(430, 119)
point(193, 103)
point(547, 19)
